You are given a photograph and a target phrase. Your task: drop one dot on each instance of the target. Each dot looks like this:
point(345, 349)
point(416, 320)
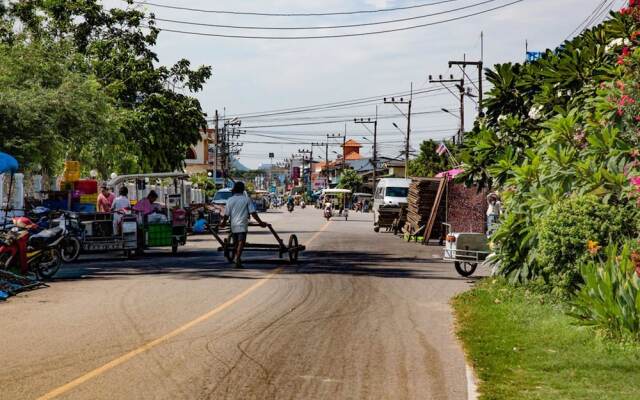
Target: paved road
point(362, 316)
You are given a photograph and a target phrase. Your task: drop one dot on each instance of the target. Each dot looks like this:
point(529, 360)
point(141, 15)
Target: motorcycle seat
point(46, 237)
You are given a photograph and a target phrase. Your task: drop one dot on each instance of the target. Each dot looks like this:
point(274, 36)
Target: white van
point(390, 192)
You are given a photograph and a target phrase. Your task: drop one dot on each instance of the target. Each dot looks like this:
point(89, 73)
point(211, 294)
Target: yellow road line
point(150, 345)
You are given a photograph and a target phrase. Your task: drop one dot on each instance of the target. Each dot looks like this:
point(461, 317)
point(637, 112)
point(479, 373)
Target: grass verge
point(524, 346)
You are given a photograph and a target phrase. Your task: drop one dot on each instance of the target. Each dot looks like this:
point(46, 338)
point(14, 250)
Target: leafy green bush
point(564, 234)
point(610, 295)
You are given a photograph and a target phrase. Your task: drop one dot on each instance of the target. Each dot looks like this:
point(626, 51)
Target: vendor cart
point(293, 248)
point(338, 198)
point(167, 228)
point(466, 250)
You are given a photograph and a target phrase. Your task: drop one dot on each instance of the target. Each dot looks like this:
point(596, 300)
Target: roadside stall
point(166, 225)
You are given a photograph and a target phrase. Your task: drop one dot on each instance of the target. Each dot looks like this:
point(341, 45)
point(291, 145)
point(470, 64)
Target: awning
point(7, 163)
point(452, 173)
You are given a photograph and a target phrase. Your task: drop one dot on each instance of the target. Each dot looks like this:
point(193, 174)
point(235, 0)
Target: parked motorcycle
point(73, 231)
point(290, 207)
point(328, 213)
point(32, 253)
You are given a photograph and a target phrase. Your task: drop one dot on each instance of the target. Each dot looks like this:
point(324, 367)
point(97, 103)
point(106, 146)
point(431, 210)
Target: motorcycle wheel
point(70, 249)
point(49, 265)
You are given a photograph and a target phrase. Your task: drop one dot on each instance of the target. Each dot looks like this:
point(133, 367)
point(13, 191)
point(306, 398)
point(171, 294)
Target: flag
point(441, 149)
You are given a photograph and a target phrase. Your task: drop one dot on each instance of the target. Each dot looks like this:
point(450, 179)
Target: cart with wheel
point(466, 250)
point(292, 248)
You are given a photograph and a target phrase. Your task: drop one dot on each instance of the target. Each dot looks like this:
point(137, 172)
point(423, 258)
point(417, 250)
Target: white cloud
point(254, 75)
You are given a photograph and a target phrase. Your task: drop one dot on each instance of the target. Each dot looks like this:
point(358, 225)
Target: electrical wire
point(266, 14)
point(344, 104)
point(344, 35)
point(330, 122)
point(393, 21)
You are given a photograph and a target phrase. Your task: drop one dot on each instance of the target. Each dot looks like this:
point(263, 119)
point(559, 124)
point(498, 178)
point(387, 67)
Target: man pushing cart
point(238, 210)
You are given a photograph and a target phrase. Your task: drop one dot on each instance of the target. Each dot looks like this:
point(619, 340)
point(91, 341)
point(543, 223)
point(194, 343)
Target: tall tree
point(115, 46)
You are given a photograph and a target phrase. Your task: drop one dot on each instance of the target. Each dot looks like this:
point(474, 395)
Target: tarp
point(452, 173)
point(7, 163)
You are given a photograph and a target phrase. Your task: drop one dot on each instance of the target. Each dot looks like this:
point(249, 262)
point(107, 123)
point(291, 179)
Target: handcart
point(293, 248)
point(466, 250)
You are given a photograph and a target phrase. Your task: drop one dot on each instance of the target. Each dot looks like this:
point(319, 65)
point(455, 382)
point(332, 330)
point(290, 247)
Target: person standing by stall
point(237, 211)
point(494, 209)
point(120, 206)
point(105, 199)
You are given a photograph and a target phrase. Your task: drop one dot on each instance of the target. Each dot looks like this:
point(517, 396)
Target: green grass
point(524, 346)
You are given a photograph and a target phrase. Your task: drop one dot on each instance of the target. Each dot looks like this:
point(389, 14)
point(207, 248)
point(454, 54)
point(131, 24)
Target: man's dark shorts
point(240, 236)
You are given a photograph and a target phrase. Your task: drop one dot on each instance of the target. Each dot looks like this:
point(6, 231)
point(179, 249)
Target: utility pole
point(330, 136)
point(395, 102)
point(215, 162)
point(479, 65)
point(310, 152)
point(227, 145)
point(344, 149)
point(375, 144)
point(460, 86)
point(315, 144)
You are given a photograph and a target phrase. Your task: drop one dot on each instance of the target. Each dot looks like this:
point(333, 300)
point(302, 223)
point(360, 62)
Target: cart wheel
point(293, 248)
point(174, 247)
point(465, 269)
point(376, 229)
point(229, 250)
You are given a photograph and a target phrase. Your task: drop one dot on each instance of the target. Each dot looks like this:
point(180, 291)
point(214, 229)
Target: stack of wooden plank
point(424, 199)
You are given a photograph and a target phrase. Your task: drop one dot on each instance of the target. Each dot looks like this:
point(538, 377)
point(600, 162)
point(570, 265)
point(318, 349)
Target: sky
point(257, 75)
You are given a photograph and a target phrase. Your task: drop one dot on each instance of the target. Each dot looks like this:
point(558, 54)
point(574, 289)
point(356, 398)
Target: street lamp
point(449, 112)
point(398, 128)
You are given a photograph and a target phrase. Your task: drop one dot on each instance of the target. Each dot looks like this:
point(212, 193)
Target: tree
point(349, 179)
point(115, 48)
point(429, 162)
point(47, 110)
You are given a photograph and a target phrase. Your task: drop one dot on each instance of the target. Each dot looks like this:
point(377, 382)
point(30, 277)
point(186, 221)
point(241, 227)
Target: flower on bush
point(593, 247)
point(536, 112)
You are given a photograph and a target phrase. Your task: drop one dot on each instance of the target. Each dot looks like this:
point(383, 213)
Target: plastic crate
point(159, 235)
point(88, 198)
point(86, 186)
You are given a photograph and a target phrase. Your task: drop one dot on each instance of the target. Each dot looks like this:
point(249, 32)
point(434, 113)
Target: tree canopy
point(83, 82)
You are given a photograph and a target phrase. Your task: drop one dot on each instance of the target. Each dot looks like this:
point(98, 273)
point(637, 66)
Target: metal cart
point(293, 248)
point(466, 250)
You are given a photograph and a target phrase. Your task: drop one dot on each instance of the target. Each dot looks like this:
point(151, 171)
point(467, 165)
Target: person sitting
point(146, 206)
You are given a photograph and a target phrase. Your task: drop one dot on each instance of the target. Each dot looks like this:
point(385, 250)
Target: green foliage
point(561, 127)
point(428, 163)
point(349, 179)
point(567, 229)
point(524, 346)
point(610, 296)
point(128, 118)
point(205, 183)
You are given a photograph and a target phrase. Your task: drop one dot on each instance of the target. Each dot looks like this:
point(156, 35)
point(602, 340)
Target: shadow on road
point(204, 264)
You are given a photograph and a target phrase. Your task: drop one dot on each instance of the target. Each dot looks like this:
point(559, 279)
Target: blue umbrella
point(7, 163)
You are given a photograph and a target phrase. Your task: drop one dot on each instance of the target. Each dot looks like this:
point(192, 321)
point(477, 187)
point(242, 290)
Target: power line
point(393, 21)
point(353, 103)
point(330, 122)
point(266, 14)
point(344, 35)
